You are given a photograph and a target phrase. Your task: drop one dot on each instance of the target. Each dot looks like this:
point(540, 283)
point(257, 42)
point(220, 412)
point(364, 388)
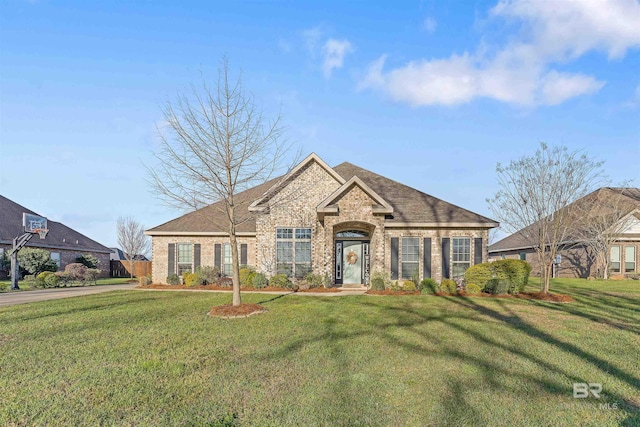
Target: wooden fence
point(121, 269)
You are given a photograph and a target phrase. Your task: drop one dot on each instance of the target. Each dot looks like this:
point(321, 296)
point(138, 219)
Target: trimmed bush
point(380, 281)
point(497, 286)
point(224, 282)
point(479, 274)
point(41, 278)
point(409, 286)
point(144, 281)
point(173, 279)
point(78, 272)
point(429, 286)
point(514, 271)
point(472, 289)
point(281, 281)
point(92, 275)
point(64, 278)
point(208, 274)
point(192, 279)
point(246, 276)
point(51, 281)
point(259, 281)
point(314, 280)
point(449, 286)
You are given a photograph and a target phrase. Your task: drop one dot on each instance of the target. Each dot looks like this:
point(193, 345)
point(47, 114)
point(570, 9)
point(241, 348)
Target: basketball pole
point(18, 243)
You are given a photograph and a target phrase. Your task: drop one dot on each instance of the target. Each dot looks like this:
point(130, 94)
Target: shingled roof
point(60, 236)
point(409, 206)
point(517, 241)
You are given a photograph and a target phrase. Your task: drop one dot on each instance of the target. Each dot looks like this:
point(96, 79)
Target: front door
point(351, 265)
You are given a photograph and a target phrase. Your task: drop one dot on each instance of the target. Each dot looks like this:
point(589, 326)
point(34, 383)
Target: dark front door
point(352, 262)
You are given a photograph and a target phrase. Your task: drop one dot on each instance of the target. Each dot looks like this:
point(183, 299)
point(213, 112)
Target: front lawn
point(155, 358)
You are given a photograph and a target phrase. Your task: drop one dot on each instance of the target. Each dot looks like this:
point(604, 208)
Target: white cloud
point(334, 53)
point(312, 38)
point(520, 72)
point(429, 25)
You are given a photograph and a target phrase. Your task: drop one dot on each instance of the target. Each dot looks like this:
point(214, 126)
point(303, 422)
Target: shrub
point(472, 289)
point(380, 281)
point(409, 286)
point(192, 279)
point(64, 278)
point(92, 275)
point(144, 281)
point(314, 280)
point(173, 279)
point(41, 278)
point(281, 281)
point(208, 274)
point(77, 272)
point(394, 286)
point(479, 274)
point(415, 278)
point(245, 275)
point(35, 261)
point(497, 286)
point(514, 271)
point(259, 281)
point(88, 261)
point(449, 286)
point(51, 281)
point(224, 282)
point(429, 286)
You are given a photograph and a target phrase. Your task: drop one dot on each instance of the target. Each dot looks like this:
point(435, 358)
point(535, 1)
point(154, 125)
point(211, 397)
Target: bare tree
point(132, 240)
point(601, 222)
point(535, 196)
point(216, 144)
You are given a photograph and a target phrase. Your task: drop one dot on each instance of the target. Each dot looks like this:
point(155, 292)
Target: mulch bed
point(228, 311)
point(391, 292)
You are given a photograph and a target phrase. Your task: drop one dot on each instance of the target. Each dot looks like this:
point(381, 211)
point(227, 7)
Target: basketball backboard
point(32, 222)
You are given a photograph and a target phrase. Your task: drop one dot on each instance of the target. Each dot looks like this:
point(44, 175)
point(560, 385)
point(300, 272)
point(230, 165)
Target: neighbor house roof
point(118, 254)
point(410, 207)
point(517, 240)
point(59, 237)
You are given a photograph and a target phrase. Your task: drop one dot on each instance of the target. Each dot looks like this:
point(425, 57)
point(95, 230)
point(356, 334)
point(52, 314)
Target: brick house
point(345, 222)
point(624, 253)
point(63, 243)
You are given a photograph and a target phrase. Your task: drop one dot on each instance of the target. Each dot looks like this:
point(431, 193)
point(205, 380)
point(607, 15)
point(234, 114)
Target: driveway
point(23, 297)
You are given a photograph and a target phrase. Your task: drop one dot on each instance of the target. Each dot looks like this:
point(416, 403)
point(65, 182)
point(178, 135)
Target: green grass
point(155, 358)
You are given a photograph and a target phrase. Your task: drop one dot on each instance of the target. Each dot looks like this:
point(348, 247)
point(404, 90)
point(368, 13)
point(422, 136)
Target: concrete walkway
point(24, 297)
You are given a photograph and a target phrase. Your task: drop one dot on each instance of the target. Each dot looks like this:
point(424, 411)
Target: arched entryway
point(352, 254)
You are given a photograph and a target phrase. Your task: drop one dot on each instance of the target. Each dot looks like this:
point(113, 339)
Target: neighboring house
point(575, 257)
point(118, 254)
point(345, 222)
point(63, 243)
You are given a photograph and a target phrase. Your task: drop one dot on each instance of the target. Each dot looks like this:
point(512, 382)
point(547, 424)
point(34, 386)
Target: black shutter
point(446, 246)
point(477, 250)
point(171, 261)
point(196, 256)
point(243, 254)
point(394, 258)
point(426, 261)
point(217, 255)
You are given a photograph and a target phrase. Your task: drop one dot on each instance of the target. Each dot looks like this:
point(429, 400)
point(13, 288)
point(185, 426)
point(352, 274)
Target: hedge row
point(499, 277)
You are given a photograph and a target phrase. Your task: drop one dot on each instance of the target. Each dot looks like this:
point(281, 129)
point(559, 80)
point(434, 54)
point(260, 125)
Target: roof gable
point(256, 206)
point(328, 204)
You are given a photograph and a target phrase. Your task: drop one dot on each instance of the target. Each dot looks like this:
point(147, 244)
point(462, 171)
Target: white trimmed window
point(227, 260)
point(185, 257)
point(410, 257)
point(615, 259)
point(293, 251)
point(56, 257)
point(461, 259)
point(629, 259)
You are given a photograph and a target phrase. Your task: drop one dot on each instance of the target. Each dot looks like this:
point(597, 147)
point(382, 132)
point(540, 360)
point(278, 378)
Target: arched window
point(352, 233)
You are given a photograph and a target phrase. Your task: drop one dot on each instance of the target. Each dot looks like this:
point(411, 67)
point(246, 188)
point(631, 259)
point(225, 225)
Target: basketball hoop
point(42, 232)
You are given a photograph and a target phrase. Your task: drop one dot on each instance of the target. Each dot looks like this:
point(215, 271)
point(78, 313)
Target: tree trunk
point(236, 268)
point(15, 270)
point(131, 264)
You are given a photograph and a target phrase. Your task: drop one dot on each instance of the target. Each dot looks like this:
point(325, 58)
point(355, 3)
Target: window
point(56, 257)
point(227, 270)
point(410, 256)
point(615, 259)
point(629, 259)
point(185, 257)
point(293, 251)
point(461, 256)
point(352, 233)
point(523, 256)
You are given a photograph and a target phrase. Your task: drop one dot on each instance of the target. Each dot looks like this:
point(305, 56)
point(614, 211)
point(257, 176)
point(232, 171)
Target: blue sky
point(432, 94)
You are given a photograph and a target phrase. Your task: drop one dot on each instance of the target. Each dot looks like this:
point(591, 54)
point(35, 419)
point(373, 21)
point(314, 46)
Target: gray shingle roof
point(410, 205)
point(518, 241)
point(60, 236)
